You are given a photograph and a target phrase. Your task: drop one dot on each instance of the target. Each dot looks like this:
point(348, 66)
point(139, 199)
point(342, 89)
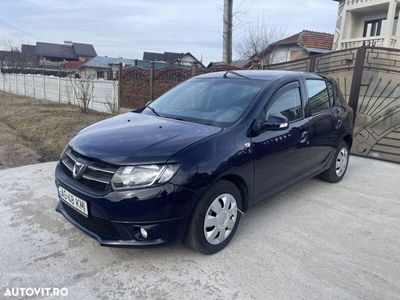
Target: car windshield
point(217, 102)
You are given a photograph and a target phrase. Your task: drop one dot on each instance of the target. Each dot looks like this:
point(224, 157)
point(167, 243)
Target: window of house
point(288, 105)
point(318, 96)
point(100, 74)
point(378, 27)
point(54, 59)
point(396, 20)
point(374, 28)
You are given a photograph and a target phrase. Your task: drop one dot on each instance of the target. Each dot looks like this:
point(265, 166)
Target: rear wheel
point(339, 164)
point(215, 219)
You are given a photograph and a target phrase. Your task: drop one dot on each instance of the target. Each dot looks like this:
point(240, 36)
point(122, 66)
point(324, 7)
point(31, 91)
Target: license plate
point(77, 203)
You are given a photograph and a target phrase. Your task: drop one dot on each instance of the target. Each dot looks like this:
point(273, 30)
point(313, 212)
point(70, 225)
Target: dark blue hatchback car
point(189, 164)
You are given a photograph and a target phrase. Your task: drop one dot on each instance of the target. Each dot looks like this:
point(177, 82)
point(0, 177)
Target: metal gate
point(369, 78)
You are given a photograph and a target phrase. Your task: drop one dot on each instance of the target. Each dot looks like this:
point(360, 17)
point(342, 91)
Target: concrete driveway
point(315, 241)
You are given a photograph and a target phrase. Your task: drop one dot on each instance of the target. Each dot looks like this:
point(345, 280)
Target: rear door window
point(318, 96)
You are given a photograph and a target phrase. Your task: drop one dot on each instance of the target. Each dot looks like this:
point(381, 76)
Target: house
point(306, 43)
point(367, 22)
point(29, 53)
point(72, 68)
point(173, 58)
point(108, 67)
point(49, 54)
point(16, 59)
point(10, 59)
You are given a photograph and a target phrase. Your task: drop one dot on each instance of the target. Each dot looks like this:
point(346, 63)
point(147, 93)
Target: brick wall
point(138, 85)
point(134, 87)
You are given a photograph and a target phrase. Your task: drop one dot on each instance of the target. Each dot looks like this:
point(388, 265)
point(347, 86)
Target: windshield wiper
point(153, 110)
point(234, 73)
point(177, 118)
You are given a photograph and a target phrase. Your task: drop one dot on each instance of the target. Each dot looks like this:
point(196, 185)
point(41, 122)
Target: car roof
point(258, 74)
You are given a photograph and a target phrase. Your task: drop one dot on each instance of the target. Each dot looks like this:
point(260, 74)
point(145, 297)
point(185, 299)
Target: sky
point(127, 28)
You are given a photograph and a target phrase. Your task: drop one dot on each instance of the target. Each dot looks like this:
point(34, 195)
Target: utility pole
point(227, 35)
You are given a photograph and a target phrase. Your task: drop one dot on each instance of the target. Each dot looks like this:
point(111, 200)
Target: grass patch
point(45, 126)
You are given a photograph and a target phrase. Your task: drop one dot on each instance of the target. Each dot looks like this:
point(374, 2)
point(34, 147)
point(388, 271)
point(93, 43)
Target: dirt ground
point(34, 131)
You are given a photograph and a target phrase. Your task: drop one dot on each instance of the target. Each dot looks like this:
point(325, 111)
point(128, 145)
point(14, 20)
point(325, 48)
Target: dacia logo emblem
point(78, 169)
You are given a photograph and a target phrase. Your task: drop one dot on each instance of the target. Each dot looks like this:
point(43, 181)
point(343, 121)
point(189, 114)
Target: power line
point(14, 33)
point(19, 34)
point(24, 32)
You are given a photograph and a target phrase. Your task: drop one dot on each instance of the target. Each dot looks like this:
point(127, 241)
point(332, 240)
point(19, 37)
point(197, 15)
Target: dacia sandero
point(188, 165)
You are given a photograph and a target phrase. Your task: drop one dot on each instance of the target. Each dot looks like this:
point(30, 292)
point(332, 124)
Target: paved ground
point(315, 241)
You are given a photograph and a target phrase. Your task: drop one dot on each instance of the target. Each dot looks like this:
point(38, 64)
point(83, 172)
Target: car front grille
point(96, 177)
point(101, 227)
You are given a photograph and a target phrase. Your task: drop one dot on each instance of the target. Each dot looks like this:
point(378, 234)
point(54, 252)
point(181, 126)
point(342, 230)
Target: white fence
point(64, 90)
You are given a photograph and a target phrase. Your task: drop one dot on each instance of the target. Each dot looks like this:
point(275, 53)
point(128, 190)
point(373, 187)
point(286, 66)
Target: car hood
point(135, 138)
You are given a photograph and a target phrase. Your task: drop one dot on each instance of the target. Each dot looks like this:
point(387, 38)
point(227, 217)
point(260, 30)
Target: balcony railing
point(358, 2)
point(374, 42)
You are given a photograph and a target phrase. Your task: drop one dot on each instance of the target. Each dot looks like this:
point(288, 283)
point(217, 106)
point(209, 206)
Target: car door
point(324, 123)
point(280, 156)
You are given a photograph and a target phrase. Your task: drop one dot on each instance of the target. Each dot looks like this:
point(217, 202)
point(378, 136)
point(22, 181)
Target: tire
point(336, 172)
point(205, 239)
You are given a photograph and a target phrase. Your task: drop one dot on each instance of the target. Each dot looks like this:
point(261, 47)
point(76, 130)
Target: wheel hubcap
point(220, 219)
point(341, 161)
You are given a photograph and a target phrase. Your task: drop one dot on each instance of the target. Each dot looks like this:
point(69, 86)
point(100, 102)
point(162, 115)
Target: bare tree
point(257, 43)
point(12, 58)
point(113, 105)
point(3, 60)
point(83, 90)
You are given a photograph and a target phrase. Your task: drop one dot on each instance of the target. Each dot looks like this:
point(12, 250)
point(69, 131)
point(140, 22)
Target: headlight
point(143, 175)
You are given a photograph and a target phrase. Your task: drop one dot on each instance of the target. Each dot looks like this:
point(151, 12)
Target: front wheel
point(215, 219)
point(339, 164)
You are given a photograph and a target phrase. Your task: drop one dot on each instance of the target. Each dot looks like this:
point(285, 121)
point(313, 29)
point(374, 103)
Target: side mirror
point(273, 123)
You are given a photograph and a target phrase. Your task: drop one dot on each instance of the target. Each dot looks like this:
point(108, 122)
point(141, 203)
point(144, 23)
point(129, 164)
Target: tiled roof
point(55, 50)
point(106, 62)
point(153, 56)
point(168, 57)
point(66, 51)
point(309, 39)
point(171, 56)
point(84, 50)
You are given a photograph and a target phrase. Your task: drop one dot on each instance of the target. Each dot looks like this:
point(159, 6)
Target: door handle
point(339, 124)
point(304, 137)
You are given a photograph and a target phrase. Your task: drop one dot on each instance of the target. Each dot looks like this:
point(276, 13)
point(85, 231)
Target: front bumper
point(114, 234)
point(115, 219)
